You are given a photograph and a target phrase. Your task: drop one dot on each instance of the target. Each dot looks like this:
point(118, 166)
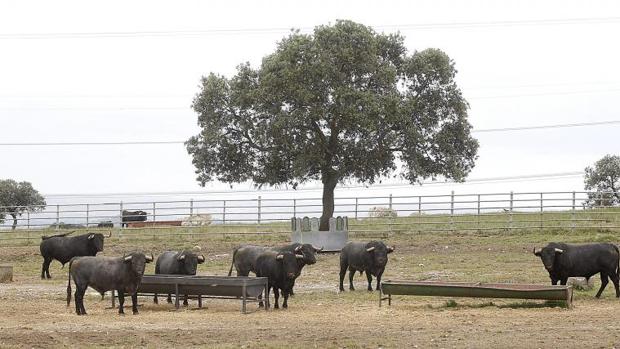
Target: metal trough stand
point(248, 289)
point(472, 289)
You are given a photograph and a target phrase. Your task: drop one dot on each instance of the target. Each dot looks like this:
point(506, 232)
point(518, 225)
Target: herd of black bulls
point(281, 265)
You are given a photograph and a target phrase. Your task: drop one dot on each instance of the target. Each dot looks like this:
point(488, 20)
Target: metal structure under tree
point(306, 231)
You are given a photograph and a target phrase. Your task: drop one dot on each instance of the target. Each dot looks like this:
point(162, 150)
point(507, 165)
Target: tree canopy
point(342, 104)
point(17, 198)
point(603, 179)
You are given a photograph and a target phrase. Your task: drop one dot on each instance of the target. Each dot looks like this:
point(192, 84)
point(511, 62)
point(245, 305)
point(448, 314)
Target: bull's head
point(548, 255)
point(379, 252)
point(307, 252)
point(95, 240)
point(190, 261)
point(289, 264)
point(137, 261)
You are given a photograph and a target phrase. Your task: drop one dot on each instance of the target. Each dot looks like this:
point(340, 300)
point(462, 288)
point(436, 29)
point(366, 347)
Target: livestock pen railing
point(381, 214)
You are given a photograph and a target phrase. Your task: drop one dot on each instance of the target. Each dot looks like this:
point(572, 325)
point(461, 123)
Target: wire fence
point(383, 214)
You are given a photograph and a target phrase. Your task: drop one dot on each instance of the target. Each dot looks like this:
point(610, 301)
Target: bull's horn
point(298, 256)
point(370, 249)
point(280, 257)
point(537, 251)
point(318, 249)
point(181, 257)
point(91, 236)
point(558, 250)
point(298, 248)
point(110, 234)
point(127, 258)
point(149, 258)
point(391, 248)
point(201, 258)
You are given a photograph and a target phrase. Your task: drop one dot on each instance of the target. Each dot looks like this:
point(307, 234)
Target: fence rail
point(449, 212)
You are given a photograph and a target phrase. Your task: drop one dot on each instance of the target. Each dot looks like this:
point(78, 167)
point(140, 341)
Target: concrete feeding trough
point(6, 273)
point(306, 231)
point(475, 289)
point(244, 288)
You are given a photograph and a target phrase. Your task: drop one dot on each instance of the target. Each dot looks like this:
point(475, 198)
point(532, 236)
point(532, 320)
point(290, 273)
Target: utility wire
point(384, 185)
point(505, 129)
point(275, 30)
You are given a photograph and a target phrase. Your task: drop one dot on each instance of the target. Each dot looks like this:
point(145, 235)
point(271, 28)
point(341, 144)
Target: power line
point(276, 30)
point(317, 188)
point(506, 129)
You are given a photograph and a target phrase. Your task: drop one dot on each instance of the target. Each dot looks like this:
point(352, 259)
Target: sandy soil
point(35, 315)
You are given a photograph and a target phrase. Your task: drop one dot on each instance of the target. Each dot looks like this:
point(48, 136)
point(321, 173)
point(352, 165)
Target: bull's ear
point(390, 249)
point(149, 259)
point(181, 257)
point(280, 257)
point(91, 236)
point(537, 251)
point(201, 259)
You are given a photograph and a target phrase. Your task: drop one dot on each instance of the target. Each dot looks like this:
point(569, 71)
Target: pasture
point(35, 313)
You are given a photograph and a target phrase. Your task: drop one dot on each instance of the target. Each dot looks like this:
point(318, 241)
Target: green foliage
point(17, 198)
point(604, 180)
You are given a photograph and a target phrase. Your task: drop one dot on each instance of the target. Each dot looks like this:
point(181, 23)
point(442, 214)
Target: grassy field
point(35, 312)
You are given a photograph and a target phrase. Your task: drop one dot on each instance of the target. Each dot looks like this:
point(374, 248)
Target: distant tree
point(17, 198)
point(604, 181)
point(344, 103)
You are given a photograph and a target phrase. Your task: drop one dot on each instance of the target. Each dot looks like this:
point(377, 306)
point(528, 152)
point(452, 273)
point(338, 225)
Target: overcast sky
point(107, 71)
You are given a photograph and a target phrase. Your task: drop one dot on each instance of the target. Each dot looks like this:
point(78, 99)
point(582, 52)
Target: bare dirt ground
point(35, 315)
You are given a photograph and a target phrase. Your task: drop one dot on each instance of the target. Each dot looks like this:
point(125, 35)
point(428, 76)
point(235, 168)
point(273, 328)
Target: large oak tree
point(17, 198)
point(603, 180)
point(344, 103)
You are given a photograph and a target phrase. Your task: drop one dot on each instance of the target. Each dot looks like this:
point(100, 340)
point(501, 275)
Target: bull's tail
point(618, 268)
point(232, 263)
point(69, 285)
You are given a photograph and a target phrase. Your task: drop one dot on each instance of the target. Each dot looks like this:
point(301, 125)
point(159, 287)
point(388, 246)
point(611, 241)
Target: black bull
point(177, 263)
point(62, 248)
point(563, 261)
point(132, 216)
point(122, 274)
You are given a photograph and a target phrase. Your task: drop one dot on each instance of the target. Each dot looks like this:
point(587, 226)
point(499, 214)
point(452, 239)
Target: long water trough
point(246, 289)
point(475, 289)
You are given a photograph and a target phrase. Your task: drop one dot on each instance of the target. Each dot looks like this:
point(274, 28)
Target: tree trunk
point(14, 220)
point(329, 184)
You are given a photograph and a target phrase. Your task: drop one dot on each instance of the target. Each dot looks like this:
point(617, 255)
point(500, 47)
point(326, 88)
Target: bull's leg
point(563, 281)
point(80, 290)
point(343, 272)
point(369, 277)
point(285, 303)
point(614, 278)
point(604, 282)
point(121, 301)
point(378, 288)
point(260, 297)
point(45, 268)
point(169, 299)
point(554, 281)
point(155, 299)
point(291, 291)
point(276, 295)
point(134, 302)
point(185, 301)
point(351, 273)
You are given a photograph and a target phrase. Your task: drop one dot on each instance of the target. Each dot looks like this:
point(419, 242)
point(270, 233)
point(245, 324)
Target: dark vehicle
point(122, 274)
point(132, 216)
point(62, 248)
point(563, 261)
point(281, 269)
point(179, 263)
point(368, 257)
point(105, 224)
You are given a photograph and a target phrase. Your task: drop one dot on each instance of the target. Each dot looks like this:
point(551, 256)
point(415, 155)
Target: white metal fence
point(430, 213)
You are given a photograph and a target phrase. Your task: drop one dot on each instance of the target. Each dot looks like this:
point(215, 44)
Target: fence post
point(510, 213)
point(356, 202)
point(452, 210)
point(57, 217)
point(28, 215)
point(478, 215)
point(259, 207)
point(541, 211)
point(154, 213)
point(87, 214)
point(121, 215)
point(419, 205)
point(294, 207)
point(391, 221)
point(573, 222)
point(191, 207)
point(224, 212)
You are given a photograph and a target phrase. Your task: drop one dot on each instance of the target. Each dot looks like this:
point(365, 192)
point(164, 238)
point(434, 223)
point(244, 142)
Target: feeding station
point(6, 273)
point(306, 231)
